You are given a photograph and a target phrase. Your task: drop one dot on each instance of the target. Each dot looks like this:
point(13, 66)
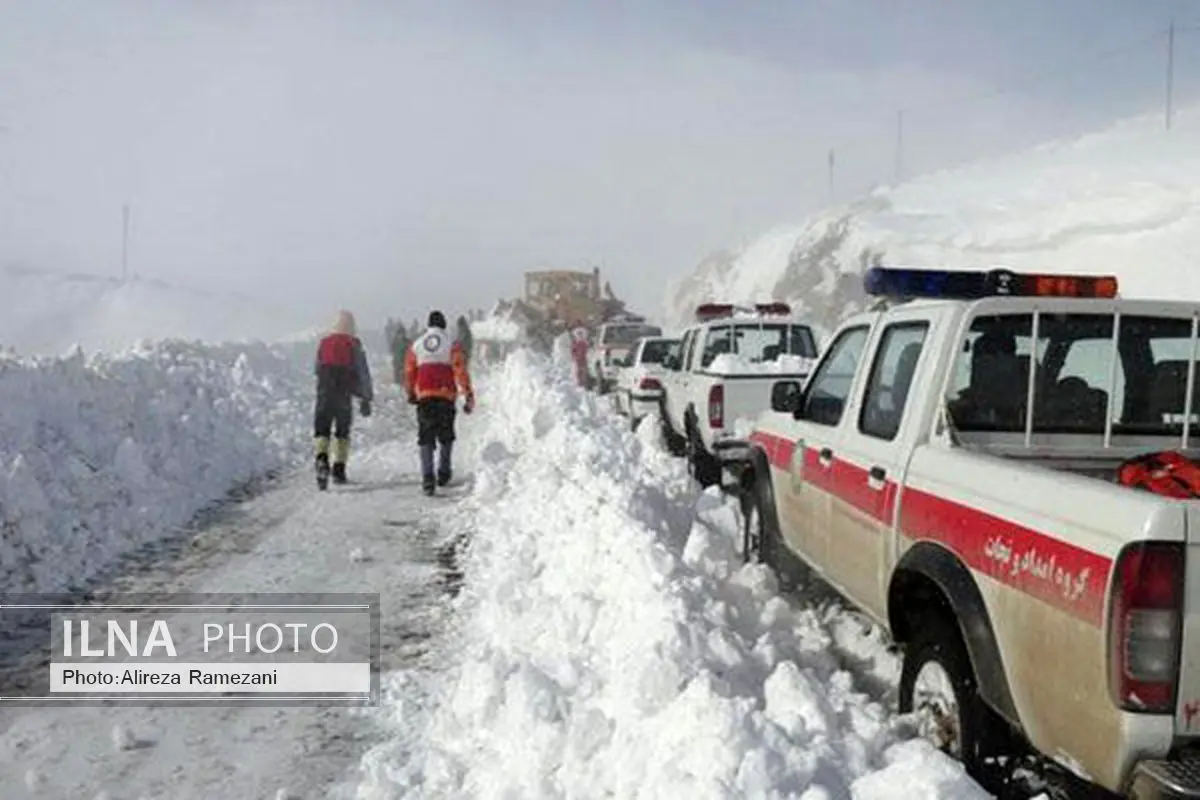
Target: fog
point(390, 157)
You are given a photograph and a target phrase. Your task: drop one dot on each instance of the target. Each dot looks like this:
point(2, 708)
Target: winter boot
point(428, 485)
point(322, 471)
point(341, 453)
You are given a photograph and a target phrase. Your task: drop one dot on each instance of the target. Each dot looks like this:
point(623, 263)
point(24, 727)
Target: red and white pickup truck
point(1036, 598)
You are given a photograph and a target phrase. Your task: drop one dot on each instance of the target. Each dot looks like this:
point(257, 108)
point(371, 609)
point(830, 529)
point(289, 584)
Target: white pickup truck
point(639, 378)
point(611, 347)
point(1038, 600)
point(723, 376)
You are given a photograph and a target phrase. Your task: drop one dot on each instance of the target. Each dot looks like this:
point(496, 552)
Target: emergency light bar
point(711, 311)
point(957, 285)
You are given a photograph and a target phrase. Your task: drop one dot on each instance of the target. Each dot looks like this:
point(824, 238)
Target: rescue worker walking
point(465, 339)
point(399, 347)
point(435, 370)
point(342, 374)
point(579, 356)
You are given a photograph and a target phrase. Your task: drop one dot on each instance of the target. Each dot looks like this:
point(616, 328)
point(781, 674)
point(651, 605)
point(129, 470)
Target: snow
point(1119, 201)
point(43, 312)
point(496, 328)
point(733, 364)
point(610, 642)
point(102, 454)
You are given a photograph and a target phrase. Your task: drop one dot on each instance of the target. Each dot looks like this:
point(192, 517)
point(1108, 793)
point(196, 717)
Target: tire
point(937, 677)
point(702, 465)
point(676, 445)
point(754, 529)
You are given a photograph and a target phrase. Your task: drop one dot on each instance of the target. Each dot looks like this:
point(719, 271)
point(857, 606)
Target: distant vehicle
point(723, 375)
point(612, 344)
point(639, 378)
point(957, 467)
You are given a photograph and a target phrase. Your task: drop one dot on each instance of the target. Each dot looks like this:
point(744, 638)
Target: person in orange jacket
point(435, 370)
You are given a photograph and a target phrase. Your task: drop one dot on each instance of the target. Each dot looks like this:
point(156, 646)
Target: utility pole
point(899, 145)
point(1170, 70)
point(831, 192)
point(125, 244)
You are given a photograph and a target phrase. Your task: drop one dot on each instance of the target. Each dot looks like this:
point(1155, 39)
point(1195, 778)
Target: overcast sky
point(398, 155)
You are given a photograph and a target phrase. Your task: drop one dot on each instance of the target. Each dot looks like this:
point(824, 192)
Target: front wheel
point(705, 468)
point(937, 684)
point(753, 529)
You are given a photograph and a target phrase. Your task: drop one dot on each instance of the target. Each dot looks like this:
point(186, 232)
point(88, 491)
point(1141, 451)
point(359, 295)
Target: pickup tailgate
point(1187, 706)
point(747, 396)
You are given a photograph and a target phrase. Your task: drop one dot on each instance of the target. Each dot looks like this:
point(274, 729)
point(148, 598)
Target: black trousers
point(333, 414)
point(435, 421)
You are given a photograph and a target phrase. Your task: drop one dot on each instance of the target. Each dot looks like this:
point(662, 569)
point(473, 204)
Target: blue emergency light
point(972, 285)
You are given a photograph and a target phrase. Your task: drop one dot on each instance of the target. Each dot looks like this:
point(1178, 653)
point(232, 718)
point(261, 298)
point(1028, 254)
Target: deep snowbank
point(612, 644)
point(1119, 201)
point(100, 455)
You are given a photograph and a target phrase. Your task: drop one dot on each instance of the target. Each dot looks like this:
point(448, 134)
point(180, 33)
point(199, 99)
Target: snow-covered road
point(374, 535)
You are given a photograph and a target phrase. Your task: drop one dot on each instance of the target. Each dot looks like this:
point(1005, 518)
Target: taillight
point(649, 384)
point(1146, 614)
point(716, 406)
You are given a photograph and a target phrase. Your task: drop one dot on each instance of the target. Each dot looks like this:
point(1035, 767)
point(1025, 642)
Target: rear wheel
point(753, 528)
point(676, 445)
point(938, 685)
point(704, 466)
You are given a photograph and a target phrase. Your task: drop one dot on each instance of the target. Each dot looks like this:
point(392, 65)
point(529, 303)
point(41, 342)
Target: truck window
point(756, 342)
point(827, 391)
point(716, 342)
point(891, 378)
point(689, 346)
point(654, 351)
point(759, 343)
point(624, 335)
point(1074, 374)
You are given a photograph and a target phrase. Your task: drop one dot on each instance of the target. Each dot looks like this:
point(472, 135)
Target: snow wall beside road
point(100, 455)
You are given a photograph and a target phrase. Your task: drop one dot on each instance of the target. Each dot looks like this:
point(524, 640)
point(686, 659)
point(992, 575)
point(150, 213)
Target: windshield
point(627, 334)
point(655, 350)
point(758, 343)
point(1080, 379)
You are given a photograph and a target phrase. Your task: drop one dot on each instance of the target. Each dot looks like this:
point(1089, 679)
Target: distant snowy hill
point(1121, 201)
point(46, 313)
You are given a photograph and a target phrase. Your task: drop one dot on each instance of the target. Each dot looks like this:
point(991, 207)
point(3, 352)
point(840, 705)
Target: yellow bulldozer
point(556, 301)
point(564, 299)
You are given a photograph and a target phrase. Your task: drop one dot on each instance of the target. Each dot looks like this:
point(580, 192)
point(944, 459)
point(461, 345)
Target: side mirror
point(786, 396)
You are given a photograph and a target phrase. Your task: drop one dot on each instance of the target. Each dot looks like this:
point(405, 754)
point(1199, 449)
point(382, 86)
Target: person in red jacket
point(342, 374)
point(579, 355)
point(435, 370)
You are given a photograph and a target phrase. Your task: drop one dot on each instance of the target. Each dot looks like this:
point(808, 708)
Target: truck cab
point(639, 377)
point(611, 347)
point(951, 467)
point(722, 378)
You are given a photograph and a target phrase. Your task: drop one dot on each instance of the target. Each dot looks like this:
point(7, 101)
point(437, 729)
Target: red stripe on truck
point(1056, 572)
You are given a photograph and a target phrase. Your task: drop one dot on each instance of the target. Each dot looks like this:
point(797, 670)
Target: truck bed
point(1079, 458)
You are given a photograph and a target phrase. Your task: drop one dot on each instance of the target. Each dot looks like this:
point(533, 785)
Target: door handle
point(878, 473)
point(825, 456)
